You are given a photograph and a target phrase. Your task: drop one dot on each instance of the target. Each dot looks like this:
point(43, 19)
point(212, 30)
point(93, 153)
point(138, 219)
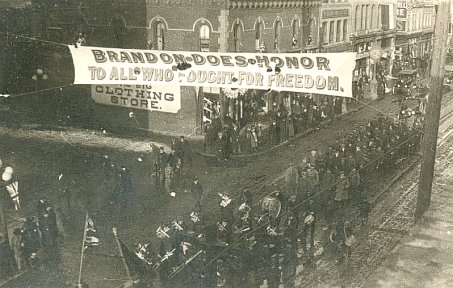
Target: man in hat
point(161, 163)
point(327, 193)
point(342, 193)
point(291, 180)
point(182, 150)
point(125, 180)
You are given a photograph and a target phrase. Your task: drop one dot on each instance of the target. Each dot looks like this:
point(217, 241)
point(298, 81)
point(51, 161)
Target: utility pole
point(429, 143)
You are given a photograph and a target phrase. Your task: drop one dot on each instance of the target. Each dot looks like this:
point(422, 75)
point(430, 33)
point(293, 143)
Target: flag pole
point(128, 272)
point(79, 284)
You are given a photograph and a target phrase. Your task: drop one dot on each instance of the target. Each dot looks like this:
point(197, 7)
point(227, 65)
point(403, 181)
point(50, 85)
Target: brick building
point(191, 25)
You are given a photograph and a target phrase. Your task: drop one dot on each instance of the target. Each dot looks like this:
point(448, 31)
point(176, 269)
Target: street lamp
point(39, 75)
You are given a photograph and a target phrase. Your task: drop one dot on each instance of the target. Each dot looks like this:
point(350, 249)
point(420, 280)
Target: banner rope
point(33, 38)
point(35, 92)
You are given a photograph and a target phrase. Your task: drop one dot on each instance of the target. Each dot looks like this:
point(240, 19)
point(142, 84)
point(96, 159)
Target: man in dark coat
point(161, 163)
point(182, 150)
point(197, 190)
point(126, 181)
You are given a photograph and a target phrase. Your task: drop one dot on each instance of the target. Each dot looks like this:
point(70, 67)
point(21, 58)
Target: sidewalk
point(424, 257)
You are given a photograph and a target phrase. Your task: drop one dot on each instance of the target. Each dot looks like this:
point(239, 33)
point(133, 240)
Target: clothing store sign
point(161, 98)
point(320, 73)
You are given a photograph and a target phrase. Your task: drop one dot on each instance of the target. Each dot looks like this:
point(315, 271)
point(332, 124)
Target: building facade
point(335, 26)
point(415, 29)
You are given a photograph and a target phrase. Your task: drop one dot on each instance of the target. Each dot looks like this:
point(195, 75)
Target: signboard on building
point(338, 13)
point(320, 73)
point(400, 25)
point(145, 97)
point(401, 9)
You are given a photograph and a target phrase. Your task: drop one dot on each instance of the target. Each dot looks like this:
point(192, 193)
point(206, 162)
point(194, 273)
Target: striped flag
point(91, 239)
point(410, 5)
point(13, 190)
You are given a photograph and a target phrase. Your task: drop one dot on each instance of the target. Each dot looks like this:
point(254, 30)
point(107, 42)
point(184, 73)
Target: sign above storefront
point(320, 73)
point(335, 13)
point(145, 97)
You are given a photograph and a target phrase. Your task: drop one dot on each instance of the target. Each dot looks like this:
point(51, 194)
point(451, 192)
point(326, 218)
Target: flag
point(91, 239)
point(13, 190)
point(410, 5)
point(134, 263)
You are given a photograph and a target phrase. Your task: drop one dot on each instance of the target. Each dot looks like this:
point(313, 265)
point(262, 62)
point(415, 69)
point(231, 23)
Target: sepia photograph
point(226, 143)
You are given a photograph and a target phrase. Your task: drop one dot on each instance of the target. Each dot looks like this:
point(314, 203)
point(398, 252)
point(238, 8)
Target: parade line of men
point(256, 240)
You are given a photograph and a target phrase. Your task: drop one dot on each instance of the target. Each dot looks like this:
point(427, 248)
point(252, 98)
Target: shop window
point(159, 35)
point(385, 42)
point(204, 38)
point(237, 33)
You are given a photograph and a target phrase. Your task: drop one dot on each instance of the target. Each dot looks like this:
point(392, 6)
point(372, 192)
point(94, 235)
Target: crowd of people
point(282, 123)
point(266, 239)
point(35, 244)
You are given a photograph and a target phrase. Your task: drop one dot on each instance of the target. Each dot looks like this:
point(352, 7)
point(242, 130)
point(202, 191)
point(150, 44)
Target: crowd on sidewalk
point(35, 244)
point(282, 123)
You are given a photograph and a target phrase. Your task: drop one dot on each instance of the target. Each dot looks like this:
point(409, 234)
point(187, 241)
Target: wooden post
point(429, 143)
point(4, 224)
point(79, 284)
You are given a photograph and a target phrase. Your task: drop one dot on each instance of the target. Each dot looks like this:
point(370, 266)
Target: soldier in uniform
point(197, 191)
point(342, 194)
point(161, 163)
point(182, 150)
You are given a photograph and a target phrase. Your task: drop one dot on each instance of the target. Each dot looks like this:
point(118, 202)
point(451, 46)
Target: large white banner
point(321, 73)
point(147, 97)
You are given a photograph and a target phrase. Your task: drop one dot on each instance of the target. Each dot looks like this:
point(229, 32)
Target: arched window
point(118, 26)
point(259, 27)
point(277, 34)
point(357, 18)
point(237, 33)
point(159, 35)
point(295, 32)
point(312, 31)
point(204, 38)
point(363, 18)
point(345, 30)
point(367, 14)
point(373, 12)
